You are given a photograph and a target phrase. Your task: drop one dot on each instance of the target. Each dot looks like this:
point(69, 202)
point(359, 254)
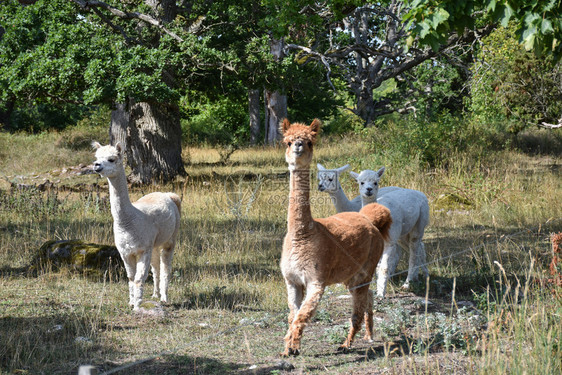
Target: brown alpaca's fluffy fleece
point(344, 248)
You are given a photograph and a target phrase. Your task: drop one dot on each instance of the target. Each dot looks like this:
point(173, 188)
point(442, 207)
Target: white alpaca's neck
point(368, 200)
point(340, 200)
point(121, 207)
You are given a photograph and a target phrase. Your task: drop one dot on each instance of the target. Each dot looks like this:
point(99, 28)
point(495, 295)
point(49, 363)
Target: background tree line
point(225, 72)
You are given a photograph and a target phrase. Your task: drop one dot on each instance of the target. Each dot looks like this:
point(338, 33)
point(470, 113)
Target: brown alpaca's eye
point(309, 144)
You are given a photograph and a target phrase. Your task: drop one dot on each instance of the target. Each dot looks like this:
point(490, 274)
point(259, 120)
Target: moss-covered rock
point(89, 258)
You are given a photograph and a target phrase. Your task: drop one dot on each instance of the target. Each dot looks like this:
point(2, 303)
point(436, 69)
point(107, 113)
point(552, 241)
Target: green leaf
point(546, 27)
point(425, 29)
point(491, 6)
point(528, 37)
point(505, 15)
point(439, 17)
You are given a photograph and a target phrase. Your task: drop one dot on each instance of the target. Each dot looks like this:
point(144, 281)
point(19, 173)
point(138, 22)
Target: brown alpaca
point(344, 248)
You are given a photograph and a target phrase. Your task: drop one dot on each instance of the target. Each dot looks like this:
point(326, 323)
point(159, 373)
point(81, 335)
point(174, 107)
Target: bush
point(222, 122)
point(431, 142)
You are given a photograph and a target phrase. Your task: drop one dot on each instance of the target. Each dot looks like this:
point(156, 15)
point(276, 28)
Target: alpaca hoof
point(344, 349)
point(405, 287)
point(290, 352)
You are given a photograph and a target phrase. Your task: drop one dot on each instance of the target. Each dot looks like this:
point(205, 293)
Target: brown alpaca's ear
point(285, 125)
point(96, 145)
point(315, 125)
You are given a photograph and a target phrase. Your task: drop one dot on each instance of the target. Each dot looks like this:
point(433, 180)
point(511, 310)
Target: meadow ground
point(487, 307)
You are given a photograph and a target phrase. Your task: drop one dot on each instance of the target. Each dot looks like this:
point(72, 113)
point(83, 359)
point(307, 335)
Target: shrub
point(216, 122)
point(431, 142)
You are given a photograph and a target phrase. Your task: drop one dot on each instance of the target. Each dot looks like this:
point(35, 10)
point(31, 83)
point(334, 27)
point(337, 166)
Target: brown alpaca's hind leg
point(369, 317)
point(302, 317)
point(361, 310)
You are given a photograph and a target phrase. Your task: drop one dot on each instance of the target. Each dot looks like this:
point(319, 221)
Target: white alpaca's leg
point(143, 266)
point(388, 256)
point(393, 262)
point(155, 266)
point(131, 269)
point(415, 261)
point(422, 260)
point(166, 256)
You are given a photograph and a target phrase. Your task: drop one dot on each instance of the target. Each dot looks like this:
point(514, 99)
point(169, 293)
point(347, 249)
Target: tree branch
point(319, 56)
point(551, 126)
point(85, 4)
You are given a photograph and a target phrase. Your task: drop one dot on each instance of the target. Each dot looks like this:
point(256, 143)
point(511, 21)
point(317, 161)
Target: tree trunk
point(151, 136)
point(254, 112)
point(363, 85)
point(277, 111)
point(119, 125)
point(151, 132)
point(276, 101)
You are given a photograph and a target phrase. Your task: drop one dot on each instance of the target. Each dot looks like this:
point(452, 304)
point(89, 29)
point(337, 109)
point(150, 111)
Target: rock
point(284, 366)
point(89, 258)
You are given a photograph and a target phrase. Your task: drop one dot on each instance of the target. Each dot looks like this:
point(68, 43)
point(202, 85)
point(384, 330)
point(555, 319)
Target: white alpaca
point(410, 215)
point(142, 228)
point(329, 182)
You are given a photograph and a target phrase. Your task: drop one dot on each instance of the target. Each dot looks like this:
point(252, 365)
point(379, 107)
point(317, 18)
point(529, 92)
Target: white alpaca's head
point(328, 179)
point(109, 159)
point(368, 181)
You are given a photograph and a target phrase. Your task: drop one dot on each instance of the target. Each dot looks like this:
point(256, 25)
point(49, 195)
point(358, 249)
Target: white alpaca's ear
point(354, 175)
point(119, 148)
point(343, 169)
point(380, 172)
point(96, 145)
point(320, 167)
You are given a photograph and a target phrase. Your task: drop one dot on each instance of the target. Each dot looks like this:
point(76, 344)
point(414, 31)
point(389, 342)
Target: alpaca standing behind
point(329, 182)
point(145, 231)
point(410, 215)
point(344, 248)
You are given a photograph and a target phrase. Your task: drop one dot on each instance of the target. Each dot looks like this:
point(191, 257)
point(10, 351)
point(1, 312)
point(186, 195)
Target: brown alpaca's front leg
point(360, 305)
point(303, 316)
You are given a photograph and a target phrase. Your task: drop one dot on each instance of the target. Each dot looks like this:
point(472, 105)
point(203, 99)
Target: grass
point(484, 310)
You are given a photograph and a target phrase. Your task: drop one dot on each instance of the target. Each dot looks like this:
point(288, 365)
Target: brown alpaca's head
point(300, 140)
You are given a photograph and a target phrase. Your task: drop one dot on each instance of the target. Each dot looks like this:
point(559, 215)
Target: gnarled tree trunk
point(254, 112)
point(151, 134)
point(276, 101)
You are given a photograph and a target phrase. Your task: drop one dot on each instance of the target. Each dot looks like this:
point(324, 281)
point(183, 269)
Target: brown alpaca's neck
point(299, 215)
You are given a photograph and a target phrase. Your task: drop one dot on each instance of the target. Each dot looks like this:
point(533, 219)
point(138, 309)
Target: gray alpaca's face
point(327, 180)
point(108, 161)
